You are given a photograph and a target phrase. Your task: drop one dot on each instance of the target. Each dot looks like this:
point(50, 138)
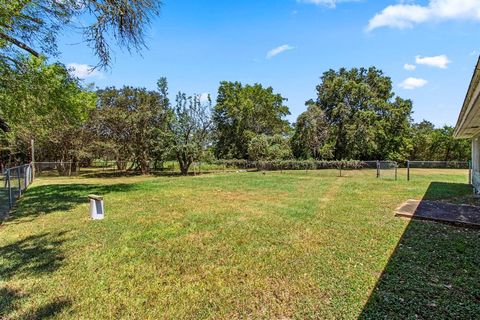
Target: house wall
point(476, 162)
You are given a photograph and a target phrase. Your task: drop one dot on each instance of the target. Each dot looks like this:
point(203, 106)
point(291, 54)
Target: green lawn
point(238, 245)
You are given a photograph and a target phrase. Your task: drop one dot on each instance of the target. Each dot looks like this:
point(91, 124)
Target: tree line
point(354, 116)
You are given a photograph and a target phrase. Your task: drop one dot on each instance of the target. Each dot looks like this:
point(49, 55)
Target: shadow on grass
point(30, 257)
point(45, 199)
point(125, 174)
point(11, 298)
point(33, 255)
point(433, 272)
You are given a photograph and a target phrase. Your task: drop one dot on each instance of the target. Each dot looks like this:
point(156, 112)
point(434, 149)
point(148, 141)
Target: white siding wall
point(476, 162)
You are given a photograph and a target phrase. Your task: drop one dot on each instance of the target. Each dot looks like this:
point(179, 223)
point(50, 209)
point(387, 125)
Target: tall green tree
point(263, 147)
point(310, 138)
point(243, 112)
point(446, 148)
point(133, 124)
point(33, 26)
point(191, 127)
point(45, 103)
point(429, 143)
point(365, 119)
point(422, 135)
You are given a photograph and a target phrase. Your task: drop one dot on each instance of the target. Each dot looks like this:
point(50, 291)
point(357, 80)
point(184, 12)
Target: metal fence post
point(10, 199)
point(378, 169)
point(396, 172)
point(25, 177)
point(408, 170)
point(19, 182)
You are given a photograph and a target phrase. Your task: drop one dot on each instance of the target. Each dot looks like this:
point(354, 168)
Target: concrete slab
point(457, 214)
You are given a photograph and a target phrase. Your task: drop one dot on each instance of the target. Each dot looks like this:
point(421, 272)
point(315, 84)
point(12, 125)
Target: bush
point(296, 164)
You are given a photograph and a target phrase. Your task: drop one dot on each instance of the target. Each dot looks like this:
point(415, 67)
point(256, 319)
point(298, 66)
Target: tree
point(263, 147)
point(437, 144)
point(444, 147)
point(365, 119)
point(393, 133)
point(309, 140)
point(422, 134)
point(241, 113)
point(33, 25)
point(132, 123)
point(43, 102)
point(190, 127)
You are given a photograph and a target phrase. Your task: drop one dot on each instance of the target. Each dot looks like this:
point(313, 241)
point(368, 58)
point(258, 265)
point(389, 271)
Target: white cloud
point(409, 67)
point(436, 61)
point(412, 83)
point(408, 15)
point(83, 71)
point(204, 97)
point(276, 51)
point(327, 3)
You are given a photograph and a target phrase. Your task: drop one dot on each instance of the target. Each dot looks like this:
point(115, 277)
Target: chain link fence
point(382, 169)
point(439, 164)
point(15, 182)
point(58, 168)
point(412, 166)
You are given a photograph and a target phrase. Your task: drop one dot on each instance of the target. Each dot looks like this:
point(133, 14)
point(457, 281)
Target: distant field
point(239, 245)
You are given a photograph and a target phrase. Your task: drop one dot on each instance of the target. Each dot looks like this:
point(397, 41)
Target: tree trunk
point(74, 165)
point(121, 165)
point(144, 166)
point(184, 163)
point(184, 169)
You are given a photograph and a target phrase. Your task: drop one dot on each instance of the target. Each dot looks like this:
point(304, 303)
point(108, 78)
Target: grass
point(238, 245)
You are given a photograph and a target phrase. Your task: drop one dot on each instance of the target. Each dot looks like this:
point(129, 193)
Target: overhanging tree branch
point(19, 44)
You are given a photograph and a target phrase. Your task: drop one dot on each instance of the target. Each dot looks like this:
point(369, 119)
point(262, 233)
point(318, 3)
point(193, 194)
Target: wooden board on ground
point(458, 214)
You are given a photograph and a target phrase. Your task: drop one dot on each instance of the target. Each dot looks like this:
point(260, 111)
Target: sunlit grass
point(234, 245)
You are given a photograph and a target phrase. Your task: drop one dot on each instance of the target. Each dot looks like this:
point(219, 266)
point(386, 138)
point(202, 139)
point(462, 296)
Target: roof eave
point(469, 104)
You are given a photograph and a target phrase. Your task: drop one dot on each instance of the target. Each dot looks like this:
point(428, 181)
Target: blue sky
point(197, 44)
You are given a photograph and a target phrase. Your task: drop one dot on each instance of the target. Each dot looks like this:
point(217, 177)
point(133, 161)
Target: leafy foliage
point(310, 139)
point(430, 143)
point(292, 164)
point(131, 124)
point(365, 120)
point(32, 26)
point(190, 128)
point(356, 116)
point(243, 112)
point(43, 102)
point(263, 147)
